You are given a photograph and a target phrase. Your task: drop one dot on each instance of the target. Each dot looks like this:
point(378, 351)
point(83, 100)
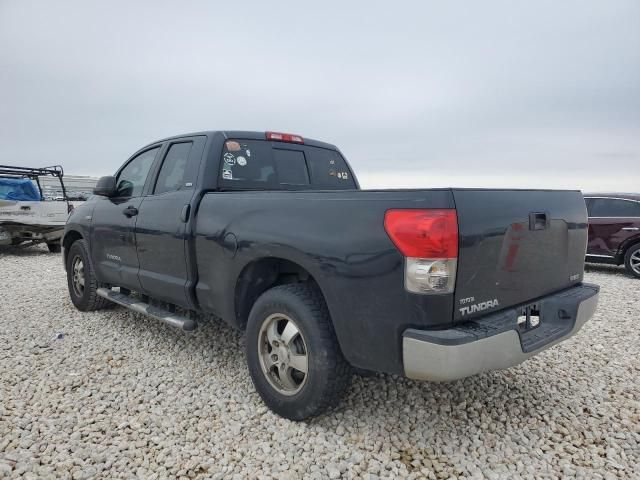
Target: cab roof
point(242, 134)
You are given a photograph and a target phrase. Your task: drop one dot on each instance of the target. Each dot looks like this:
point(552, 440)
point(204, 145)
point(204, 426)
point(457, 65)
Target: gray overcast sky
point(535, 94)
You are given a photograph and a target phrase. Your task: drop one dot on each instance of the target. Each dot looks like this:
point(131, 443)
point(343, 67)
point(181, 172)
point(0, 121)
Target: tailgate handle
point(538, 221)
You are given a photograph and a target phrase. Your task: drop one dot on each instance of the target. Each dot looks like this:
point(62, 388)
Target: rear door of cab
point(161, 226)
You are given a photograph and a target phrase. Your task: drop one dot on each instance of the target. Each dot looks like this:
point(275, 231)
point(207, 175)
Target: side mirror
point(106, 187)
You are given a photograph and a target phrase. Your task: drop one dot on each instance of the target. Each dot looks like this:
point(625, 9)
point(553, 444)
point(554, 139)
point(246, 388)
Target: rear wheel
point(81, 279)
point(292, 352)
point(632, 260)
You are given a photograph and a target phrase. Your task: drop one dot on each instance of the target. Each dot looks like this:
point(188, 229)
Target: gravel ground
point(123, 396)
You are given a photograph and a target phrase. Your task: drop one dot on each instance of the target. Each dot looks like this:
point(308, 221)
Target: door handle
point(184, 214)
point(631, 229)
point(130, 211)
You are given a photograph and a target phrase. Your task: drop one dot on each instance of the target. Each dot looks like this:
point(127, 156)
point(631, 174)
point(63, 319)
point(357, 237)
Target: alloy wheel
point(77, 276)
point(283, 354)
point(634, 261)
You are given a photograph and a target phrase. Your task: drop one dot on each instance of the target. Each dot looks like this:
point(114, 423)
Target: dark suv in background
point(614, 230)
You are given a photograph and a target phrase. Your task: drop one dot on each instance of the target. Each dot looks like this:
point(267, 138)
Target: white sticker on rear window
point(229, 159)
point(241, 161)
point(227, 175)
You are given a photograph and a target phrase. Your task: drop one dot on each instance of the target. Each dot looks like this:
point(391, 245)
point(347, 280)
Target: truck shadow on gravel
point(490, 402)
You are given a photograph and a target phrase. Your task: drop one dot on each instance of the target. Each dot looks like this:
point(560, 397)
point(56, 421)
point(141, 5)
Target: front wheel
point(292, 352)
point(632, 260)
point(81, 279)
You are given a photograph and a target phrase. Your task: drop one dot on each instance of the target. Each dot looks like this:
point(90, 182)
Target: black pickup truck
point(271, 233)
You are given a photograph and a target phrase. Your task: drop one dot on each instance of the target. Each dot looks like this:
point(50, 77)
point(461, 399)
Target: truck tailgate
point(516, 246)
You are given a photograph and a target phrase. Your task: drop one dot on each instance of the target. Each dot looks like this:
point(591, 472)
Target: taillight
point(429, 241)
point(423, 233)
point(284, 137)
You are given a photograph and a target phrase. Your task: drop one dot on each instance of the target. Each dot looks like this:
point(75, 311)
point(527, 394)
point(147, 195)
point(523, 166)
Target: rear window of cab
point(266, 165)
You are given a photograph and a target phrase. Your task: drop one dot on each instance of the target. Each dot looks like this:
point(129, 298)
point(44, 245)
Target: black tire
point(85, 299)
point(328, 373)
point(54, 247)
point(631, 259)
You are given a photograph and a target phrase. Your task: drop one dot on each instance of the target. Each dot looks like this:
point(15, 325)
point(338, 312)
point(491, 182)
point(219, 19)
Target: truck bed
point(339, 238)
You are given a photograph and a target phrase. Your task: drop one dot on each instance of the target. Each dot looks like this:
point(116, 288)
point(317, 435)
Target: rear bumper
point(496, 342)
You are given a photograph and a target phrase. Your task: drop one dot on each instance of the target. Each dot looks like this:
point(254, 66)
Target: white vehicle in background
point(26, 218)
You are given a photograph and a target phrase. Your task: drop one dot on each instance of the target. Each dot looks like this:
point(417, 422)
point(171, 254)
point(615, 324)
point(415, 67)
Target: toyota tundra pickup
point(271, 233)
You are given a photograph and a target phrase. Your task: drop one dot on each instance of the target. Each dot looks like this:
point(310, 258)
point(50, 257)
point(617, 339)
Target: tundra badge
point(479, 307)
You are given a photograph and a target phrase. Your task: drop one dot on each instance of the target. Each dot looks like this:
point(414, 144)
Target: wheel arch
point(69, 239)
point(629, 243)
point(634, 243)
point(264, 273)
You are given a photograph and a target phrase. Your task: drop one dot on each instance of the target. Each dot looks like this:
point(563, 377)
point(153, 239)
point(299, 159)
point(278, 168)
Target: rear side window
point(171, 176)
point(606, 207)
point(261, 164)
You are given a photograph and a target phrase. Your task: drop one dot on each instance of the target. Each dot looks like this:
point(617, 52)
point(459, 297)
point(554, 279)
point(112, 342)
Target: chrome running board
point(175, 320)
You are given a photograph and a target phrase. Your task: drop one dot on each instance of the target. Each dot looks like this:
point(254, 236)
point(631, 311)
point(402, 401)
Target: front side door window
point(133, 176)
